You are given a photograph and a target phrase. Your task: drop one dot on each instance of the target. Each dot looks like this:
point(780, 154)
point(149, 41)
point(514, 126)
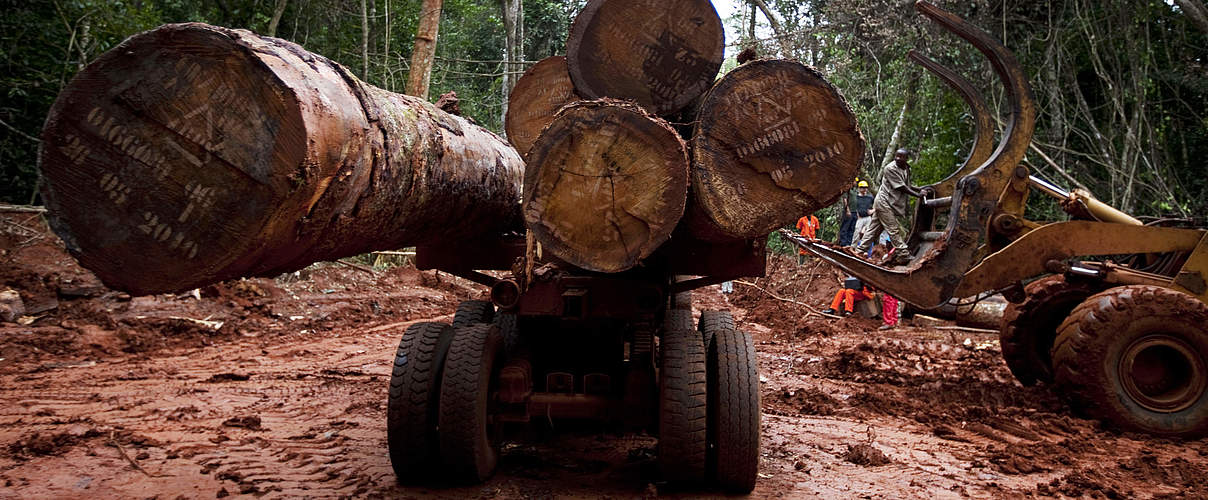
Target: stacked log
point(772, 140)
point(191, 154)
point(606, 186)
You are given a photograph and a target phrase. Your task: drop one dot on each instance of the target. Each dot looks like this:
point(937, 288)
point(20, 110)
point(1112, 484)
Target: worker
point(808, 226)
point(863, 208)
point(847, 226)
point(853, 290)
point(889, 204)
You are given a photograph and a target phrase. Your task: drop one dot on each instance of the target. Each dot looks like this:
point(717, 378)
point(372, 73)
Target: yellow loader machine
point(1114, 311)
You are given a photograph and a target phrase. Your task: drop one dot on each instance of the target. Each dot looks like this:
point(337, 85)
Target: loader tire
point(414, 396)
point(473, 312)
point(509, 328)
point(733, 402)
point(469, 438)
point(682, 407)
point(711, 322)
point(1137, 357)
point(1029, 327)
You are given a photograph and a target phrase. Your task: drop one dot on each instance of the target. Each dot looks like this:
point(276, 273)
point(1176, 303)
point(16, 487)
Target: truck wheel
point(682, 300)
point(711, 322)
point(472, 312)
point(1029, 327)
point(509, 328)
point(733, 422)
point(1137, 357)
point(677, 319)
point(469, 436)
point(681, 446)
point(411, 410)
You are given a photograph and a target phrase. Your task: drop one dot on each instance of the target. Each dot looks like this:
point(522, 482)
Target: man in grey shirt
point(890, 204)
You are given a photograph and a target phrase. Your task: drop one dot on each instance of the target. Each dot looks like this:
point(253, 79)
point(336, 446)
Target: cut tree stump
point(605, 185)
point(543, 89)
point(661, 54)
point(191, 154)
point(773, 141)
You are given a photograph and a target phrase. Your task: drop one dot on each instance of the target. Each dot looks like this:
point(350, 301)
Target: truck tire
point(733, 422)
point(711, 322)
point(509, 329)
point(677, 319)
point(469, 442)
point(1029, 327)
point(1137, 357)
point(682, 412)
point(472, 312)
point(682, 300)
point(414, 395)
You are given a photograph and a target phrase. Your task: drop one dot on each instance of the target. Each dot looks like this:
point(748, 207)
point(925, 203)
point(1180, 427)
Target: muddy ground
point(276, 388)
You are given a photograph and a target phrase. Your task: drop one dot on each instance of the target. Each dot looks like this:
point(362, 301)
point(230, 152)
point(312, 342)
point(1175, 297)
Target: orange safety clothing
point(808, 226)
point(848, 297)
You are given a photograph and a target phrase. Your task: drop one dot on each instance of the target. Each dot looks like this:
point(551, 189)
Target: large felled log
point(773, 141)
point(191, 154)
point(661, 54)
point(535, 100)
point(605, 185)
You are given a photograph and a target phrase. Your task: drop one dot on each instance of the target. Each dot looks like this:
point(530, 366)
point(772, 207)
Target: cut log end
point(657, 53)
point(774, 141)
point(543, 89)
point(605, 185)
point(167, 148)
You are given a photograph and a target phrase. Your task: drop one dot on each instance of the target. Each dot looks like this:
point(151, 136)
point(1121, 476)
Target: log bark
point(541, 91)
point(191, 154)
point(661, 54)
point(774, 141)
point(605, 185)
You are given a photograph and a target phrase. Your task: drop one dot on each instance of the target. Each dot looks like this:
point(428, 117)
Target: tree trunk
point(425, 49)
point(1195, 10)
point(538, 95)
point(278, 11)
point(364, 41)
point(774, 141)
point(513, 50)
point(896, 136)
point(782, 38)
point(191, 154)
point(605, 185)
point(661, 56)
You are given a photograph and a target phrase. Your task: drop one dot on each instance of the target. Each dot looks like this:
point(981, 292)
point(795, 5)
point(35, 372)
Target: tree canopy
point(1122, 86)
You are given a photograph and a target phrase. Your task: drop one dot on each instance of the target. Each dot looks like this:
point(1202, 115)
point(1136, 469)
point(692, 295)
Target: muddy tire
point(473, 312)
point(1029, 327)
point(711, 322)
point(1137, 357)
point(733, 422)
point(677, 319)
point(469, 439)
point(411, 410)
point(509, 327)
point(682, 300)
point(682, 410)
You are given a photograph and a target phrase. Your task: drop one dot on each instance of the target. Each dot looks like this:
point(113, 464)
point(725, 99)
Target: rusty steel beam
point(191, 154)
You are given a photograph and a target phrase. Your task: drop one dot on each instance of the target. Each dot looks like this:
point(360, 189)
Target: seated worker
point(853, 290)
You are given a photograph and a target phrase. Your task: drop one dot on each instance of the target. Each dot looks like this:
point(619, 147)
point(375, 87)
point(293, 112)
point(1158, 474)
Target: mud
point(109, 396)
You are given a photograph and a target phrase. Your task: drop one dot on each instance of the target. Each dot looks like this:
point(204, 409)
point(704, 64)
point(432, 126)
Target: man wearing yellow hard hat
point(862, 210)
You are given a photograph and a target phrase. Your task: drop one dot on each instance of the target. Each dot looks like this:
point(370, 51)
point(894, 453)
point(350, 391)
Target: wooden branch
point(22, 209)
point(791, 301)
point(357, 266)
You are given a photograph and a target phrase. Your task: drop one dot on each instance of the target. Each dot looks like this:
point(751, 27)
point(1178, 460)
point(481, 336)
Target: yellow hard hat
point(862, 184)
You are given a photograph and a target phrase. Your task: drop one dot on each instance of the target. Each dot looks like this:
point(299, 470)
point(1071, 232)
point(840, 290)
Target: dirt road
point(107, 396)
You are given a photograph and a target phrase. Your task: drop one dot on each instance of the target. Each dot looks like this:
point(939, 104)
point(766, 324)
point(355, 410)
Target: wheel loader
point(1110, 311)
